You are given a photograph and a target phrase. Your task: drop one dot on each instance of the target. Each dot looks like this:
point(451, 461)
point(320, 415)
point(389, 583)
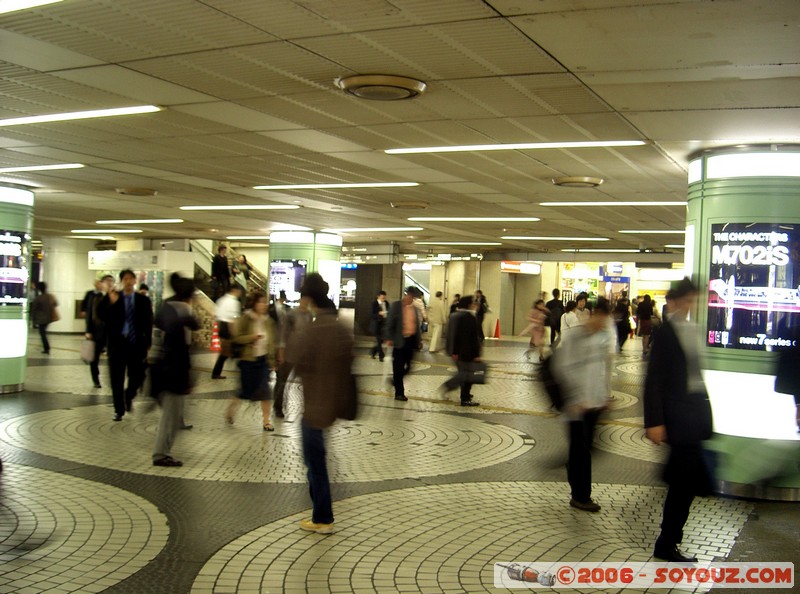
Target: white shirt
point(569, 321)
point(228, 308)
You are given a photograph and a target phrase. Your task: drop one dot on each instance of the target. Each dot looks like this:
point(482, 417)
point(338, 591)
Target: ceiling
point(248, 92)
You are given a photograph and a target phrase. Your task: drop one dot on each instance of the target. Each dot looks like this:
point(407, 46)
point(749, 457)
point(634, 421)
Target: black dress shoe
point(97, 385)
point(278, 413)
point(117, 418)
point(219, 377)
point(401, 398)
point(167, 461)
point(673, 555)
point(470, 403)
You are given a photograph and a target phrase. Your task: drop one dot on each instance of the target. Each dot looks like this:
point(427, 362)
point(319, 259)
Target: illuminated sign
point(520, 267)
point(13, 267)
point(754, 286)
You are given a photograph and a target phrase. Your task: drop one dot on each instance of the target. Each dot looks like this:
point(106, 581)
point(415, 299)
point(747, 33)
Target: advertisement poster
point(288, 276)
point(13, 267)
point(754, 286)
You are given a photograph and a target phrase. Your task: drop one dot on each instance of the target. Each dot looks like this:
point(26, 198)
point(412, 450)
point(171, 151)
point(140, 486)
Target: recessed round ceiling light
point(381, 87)
point(578, 181)
point(409, 205)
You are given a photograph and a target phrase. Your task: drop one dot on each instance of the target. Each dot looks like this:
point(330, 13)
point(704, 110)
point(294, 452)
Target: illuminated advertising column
point(16, 214)
point(292, 254)
point(743, 248)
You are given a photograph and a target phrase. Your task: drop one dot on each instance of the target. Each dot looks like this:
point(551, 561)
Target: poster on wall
point(754, 286)
point(13, 267)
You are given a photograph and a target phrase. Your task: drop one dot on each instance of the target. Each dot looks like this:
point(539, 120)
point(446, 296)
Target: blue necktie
point(127, 328)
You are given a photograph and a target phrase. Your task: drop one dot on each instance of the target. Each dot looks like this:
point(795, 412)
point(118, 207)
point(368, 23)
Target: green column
point(16, 214)
point(292, 254)
point(743, 247)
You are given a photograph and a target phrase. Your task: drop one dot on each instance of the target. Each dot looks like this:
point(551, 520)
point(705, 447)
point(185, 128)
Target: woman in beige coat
point(255, 332)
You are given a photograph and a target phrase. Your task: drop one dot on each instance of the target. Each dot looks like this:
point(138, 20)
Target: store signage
point(617, 279)
point(520, 267)
point(753, 289)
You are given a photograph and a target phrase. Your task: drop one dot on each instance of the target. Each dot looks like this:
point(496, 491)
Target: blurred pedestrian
point(556, 308)
point(324, 362)
point(403, 333)
point(220, 272)
point(377, 322)
point(227, 311)
point(95, 327)
point(256, 333)
point(677, 411)
point(537, 317)
point(464, 346)
point(44, 313)
point(454, 305)
point(170, 373)
point(480, 313)
point(437, 318)
point(290, 328)
point(583, 369)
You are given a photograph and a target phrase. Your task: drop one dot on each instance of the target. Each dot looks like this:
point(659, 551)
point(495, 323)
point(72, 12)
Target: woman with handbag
point(255, 331)
point(44, 313)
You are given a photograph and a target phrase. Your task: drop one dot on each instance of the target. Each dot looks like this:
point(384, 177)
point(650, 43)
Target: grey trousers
point(171, 415)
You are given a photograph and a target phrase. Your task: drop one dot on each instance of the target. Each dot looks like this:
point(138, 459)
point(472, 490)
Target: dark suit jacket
point(114, 318)
point(394, 326)
point(667, 401)
point(462, 336)
point(376, 321)
point(171, 369)
point(220, 269)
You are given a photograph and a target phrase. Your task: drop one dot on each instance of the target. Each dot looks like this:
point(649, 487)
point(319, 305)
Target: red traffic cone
point(497, 329)
point(215, 345)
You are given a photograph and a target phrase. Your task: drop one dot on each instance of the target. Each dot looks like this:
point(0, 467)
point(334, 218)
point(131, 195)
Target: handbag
point(424, 326)
point(87, 351)
point(474, 372)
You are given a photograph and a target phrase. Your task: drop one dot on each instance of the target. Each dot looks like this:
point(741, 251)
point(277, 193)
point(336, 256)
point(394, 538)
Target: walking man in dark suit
point(380, 308)
point(128, 318)
point(677, 412)
point(403, 333)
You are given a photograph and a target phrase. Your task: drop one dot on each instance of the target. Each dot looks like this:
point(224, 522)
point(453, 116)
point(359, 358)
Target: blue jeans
point(319, 485)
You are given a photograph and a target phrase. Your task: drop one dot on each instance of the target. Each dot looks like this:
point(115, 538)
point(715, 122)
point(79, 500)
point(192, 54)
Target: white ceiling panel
point(249, 87)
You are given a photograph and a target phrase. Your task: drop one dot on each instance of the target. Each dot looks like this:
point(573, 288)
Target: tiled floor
point(428, 495)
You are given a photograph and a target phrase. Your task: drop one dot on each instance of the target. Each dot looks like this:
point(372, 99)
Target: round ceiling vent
point(578, 182)
point(381, 87)
point(409, 205)
point(136, 191)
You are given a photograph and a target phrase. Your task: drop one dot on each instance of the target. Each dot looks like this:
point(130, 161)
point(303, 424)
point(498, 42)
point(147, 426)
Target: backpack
point(551, 385)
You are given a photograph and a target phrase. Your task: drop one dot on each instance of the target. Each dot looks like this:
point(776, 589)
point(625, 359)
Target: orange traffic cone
point(497, 329)
point(215, 345)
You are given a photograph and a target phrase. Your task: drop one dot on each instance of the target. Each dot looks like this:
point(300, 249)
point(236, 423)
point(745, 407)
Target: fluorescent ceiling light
point(80, 115)
point(335, 186)
point(92, 237)
point(603, 250)
point(677, 246)
point(260, 237)
point(524, 146)
point(635, 203)
point(654, 231)
point(106, 231)
point(13, 5)
point(457, 243)
point(136, 221)
point(551, 238)
point(476, 219)
point(243, 207)
point(370, 229)
point(16, 196)
point(41, 167)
